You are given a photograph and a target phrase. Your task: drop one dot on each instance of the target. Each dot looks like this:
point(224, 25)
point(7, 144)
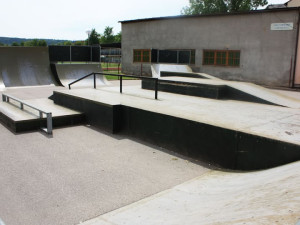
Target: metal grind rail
point(48, 130)
point(155, 80)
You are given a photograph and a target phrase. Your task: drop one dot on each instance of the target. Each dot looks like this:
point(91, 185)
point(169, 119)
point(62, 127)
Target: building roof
point(212, 15)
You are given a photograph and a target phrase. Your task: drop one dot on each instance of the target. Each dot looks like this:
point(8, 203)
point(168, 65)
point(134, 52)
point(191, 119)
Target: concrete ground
point(219, 198)
point(80, 173)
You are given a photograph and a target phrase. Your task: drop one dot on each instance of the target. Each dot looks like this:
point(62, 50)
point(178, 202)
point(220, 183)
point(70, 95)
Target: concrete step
point(28, 119)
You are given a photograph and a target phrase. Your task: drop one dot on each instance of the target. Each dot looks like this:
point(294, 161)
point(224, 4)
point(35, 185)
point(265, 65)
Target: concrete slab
point(269, 95)
point(275, 122)
point(265, 197)
point(80, 173)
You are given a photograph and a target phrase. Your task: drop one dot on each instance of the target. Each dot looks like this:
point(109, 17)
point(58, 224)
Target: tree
point(93, 38)
point(221, 6)
point(79, 43)
point(118, 37)
point(67, 43)
point(15, 44)
point(35, 42)
point(108, 36)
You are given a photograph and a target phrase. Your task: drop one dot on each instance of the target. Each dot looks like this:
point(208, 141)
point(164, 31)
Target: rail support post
point(3, 98)
point(156, 86)
point(94, 81)
point(49, 123)
point(120, 84)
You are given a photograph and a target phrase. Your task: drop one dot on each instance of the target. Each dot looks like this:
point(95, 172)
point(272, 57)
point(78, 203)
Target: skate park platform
point(257, 136)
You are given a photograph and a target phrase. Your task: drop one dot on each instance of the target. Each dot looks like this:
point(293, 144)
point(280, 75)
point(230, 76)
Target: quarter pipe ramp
point(25, 66)
point(67, 73)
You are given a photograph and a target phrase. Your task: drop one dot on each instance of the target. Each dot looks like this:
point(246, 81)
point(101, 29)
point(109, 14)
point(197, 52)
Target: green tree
point(221, 6)
point(15, 44)
point(79, 43)
point(93, 38)
point(118, 37)
point(108, 36)
point(67, 43)
point(41, 43)
point(35, 42)
point(1, 44)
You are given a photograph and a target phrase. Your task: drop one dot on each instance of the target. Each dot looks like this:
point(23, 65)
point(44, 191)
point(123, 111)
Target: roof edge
point(211, 15)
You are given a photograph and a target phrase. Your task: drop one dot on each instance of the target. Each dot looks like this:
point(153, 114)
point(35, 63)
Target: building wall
point(266, 55)
point(293, 3)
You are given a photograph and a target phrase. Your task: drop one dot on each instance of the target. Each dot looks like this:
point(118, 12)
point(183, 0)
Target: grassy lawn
point(108, 77)
point(113, 65)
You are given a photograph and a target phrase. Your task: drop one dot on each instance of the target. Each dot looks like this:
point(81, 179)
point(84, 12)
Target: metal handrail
point(6, 97)
point(120, 77)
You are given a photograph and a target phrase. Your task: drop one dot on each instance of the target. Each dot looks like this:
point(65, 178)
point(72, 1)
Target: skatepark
point(171, 149)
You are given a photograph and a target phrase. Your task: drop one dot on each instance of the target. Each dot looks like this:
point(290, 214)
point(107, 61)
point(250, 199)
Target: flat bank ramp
point(243, 89)
point(25, 66)
point(68, 73)
point(266, 94)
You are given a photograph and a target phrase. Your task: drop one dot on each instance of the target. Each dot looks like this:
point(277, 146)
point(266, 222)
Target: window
point(178, 56)
point(141, 55)
point(221, 58)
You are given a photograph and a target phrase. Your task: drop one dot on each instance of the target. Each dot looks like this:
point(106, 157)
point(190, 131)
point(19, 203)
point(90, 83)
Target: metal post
point(49, 123)
point(156, 85)
point(41, 114)
point(21, 106)
point(120, 84)
point(7, 99)
point(70, 54)
point(94, 81)
point(91, 58)
point(100, 54)
point(3, 98)
point(69, 87)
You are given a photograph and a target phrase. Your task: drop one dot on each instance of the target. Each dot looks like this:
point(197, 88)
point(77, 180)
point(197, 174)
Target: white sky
point(69, 19)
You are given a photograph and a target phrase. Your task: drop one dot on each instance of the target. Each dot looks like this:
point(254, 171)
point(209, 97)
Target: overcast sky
point(70, 19)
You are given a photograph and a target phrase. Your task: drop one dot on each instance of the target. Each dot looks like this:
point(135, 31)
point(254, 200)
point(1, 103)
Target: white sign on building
point(282, 26)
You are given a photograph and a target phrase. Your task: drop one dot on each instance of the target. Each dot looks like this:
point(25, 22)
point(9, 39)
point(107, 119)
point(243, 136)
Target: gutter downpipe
point(296, 52)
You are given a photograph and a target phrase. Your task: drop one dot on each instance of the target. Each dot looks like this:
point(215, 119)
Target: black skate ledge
point(222, 147)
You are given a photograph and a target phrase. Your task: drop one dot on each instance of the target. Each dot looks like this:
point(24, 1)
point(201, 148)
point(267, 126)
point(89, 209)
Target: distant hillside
point(9, 41)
